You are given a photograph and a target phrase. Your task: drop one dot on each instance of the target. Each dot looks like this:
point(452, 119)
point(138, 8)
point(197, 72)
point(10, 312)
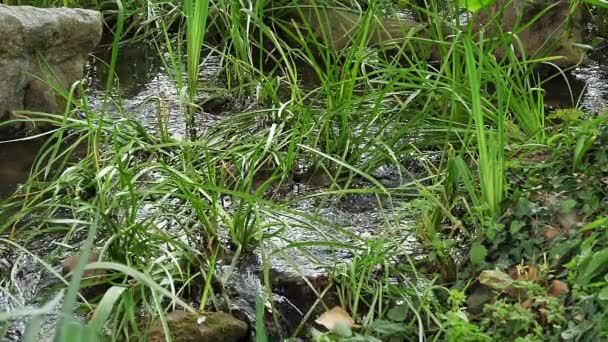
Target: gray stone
point(47, 44)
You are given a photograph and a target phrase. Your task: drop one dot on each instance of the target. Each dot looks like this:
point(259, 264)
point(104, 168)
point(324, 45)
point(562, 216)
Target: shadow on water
point(144, 90)
point(16, 159)
point(585, 87)
point(138, 66)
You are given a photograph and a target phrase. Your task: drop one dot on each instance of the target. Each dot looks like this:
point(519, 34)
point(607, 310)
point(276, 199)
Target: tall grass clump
point(490, 145)
point(196, 13)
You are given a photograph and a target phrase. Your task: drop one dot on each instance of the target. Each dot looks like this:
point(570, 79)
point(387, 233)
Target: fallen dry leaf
point(551, 232)
point(527, 304)
point(524, 273)
point(531, 274)
point(568, 220)
point(558, 288)
point(335, 317)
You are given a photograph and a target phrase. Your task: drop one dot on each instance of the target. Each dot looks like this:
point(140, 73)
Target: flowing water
point(142, 86)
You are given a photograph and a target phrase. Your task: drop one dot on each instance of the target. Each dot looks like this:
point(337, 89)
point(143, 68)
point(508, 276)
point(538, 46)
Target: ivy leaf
point(603, 295)
point(516, 226)
point(343, 329)
point(398, 313)
point(478, 253)
point(388, 328)
point(568, 205)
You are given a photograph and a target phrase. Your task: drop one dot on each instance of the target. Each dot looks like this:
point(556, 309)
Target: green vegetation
point(509, 204)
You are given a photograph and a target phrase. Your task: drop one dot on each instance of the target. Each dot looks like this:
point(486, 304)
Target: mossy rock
point(207, 327)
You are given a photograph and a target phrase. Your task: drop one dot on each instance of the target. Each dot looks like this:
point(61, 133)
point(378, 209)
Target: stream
point(143, 83)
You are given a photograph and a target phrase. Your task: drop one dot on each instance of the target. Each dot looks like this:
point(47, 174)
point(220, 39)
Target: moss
point(192, 327)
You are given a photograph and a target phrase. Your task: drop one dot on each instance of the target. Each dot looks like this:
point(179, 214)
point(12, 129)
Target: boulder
point(42, 47)
point(207, 327)
point(554, 33)
point(337, 28)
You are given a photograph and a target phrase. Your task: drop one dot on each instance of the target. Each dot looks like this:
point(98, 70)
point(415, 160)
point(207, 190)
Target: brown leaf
point(335, 317)
point(524, 273)
point(527, 304)
point(558, 288)
point(551, 232)
point(531, 274)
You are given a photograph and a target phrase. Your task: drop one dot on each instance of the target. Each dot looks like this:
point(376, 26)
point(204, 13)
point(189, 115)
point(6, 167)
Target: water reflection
point(16, 159)
point(595, 76)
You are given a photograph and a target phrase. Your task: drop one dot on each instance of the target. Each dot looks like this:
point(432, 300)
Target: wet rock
point(94, 283)
point(207, 327)
point(359, 203)
point(71, 263)
point(42, 44)
point(337, 28)
point(555, 33)
point(479, 296)
point(293, 292)
point(296, 295)
point(15, 163)
point(315, 178)
point(216, 103)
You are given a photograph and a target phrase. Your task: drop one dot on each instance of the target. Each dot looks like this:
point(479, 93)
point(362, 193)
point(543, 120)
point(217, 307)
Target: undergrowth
point(507, 204)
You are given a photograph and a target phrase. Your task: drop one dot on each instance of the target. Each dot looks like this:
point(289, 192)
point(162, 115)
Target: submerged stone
point(42, 50)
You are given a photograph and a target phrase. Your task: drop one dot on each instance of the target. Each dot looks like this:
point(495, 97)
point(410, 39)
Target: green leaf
point(343, 330)
point(583, 143)
point(475, 5)
point(603, 295)
point(598, 263)
point(599, 223)
point(568, 205)
point(478, 253)
point(398, 313)
point(516, 226)
point(260, 326)
point(73, 330)
point(142, 277)
point(388, 328)
point(104, 309)
point(598, 3)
